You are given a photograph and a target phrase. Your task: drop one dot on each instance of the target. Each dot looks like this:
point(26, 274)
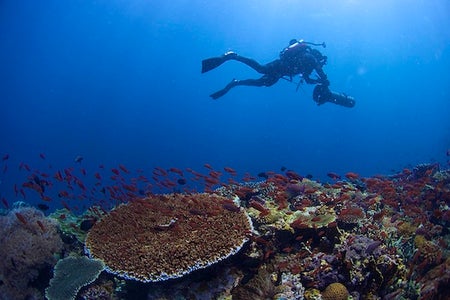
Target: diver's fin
point(212, 63)
point(219, 94)
point(225, 90)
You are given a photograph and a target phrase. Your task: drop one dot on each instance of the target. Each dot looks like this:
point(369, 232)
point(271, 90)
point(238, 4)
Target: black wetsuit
point(293, 61)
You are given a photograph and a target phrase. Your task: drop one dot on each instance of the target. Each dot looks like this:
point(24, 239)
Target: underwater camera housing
point(322, 94)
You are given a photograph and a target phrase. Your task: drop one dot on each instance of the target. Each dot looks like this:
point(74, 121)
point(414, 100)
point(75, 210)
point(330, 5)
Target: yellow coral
point(335, 291)
point(312, 294)
point(419, 241)
point(406, 229)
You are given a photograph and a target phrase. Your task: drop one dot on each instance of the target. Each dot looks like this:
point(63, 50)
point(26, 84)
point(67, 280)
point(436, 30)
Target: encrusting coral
point(168, 236)
point(28, 243)
point(70, 275)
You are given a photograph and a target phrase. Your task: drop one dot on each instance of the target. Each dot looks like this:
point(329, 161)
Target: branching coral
point(168, 236)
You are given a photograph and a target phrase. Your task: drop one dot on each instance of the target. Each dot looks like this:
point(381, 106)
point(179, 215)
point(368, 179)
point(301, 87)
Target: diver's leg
point(213, 62)
point(225, 90)
point(251, 63)
point(263, 81)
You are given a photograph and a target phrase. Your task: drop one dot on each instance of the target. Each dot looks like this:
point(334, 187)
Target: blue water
point(119, 82)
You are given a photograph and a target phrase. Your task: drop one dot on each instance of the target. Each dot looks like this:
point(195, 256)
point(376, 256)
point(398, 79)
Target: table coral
point(168, 236)
point(70, 275)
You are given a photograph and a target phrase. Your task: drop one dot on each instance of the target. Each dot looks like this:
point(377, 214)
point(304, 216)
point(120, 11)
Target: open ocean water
point(101, 98)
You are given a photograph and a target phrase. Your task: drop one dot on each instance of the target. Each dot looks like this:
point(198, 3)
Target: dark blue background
point(120, 82)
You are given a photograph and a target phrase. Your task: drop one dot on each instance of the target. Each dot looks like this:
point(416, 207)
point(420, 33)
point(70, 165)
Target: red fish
point(215, 174)
point(42, 155)
point(46, 198)
point(129, 187)
point(80, 184)
point(66, 206)
point(248, 177)
point(208, 166)
point(352, 176)
point(83, 171)
point(5, 202)
point(58, 176)
point(5, 157)
point(21, 218)
point(68, 173)
point(211, 181)
point(231, 171)
point(176, 171)
point(41, 225)
point(64, 194)
point(97, 175)
point(158, 171)
point(115, 171)
point(333, 176)
point(122, 167)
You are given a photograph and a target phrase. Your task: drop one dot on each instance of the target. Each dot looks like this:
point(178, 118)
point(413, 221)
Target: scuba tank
point(322, 94)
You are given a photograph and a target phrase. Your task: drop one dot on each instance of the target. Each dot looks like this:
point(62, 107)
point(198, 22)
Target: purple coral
point(28, 244)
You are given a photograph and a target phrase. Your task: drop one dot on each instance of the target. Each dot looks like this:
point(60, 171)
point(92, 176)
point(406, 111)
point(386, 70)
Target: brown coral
point(335, 291)
point(260, 287)
point(168, 236)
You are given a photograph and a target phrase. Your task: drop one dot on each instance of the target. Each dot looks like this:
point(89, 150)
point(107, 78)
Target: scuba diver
point(296, 59)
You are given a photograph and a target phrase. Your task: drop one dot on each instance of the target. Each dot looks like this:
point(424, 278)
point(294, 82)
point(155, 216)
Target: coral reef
point(384, 237)
point(214, 283)
point(75, 226)
point(70, 275)
point(29, 242)
point(168, 236)
point(270, 284)
point(101, 291)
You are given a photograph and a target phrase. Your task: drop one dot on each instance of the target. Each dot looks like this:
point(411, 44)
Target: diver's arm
point(323, 78)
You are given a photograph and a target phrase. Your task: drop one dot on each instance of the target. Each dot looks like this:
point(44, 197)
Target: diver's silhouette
point(296, 59)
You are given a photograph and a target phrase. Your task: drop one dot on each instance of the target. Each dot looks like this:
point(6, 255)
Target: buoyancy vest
point(293, 51)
